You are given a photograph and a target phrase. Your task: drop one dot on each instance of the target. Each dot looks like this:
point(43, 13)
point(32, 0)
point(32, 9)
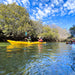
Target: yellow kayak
point(23, 42)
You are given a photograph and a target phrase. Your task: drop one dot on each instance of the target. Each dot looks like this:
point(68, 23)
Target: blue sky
point(58, 12)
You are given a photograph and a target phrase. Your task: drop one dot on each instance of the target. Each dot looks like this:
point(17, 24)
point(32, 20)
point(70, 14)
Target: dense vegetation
point(15, 21)
point(72, 31)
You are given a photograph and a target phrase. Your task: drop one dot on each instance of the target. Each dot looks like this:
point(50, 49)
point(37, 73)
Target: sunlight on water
point(40, 59)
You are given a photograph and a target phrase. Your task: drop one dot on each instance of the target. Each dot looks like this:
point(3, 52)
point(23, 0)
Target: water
point(44, 59)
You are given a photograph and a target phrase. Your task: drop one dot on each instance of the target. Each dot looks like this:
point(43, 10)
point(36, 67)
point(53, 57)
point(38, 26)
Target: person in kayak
point(40, 40)
point(29, 39)
point(71, 41)
point(26, 39)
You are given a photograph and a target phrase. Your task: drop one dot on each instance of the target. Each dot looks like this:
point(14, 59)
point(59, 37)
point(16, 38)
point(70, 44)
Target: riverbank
point(69, 39)
point(4, 39)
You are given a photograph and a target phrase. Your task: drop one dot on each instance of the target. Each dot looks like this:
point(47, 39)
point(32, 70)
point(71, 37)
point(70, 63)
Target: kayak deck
point(23, 42)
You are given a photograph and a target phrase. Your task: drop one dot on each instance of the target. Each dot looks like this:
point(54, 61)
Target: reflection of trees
point(72, 54)
point(15, 60)
point(48, 48)
point(22, 59)
point(52, 50)
point(11, 65)
point(57, 47)
point(11, 48)
point(52, 47)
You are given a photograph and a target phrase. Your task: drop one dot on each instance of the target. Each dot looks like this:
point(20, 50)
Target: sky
point(58, 12)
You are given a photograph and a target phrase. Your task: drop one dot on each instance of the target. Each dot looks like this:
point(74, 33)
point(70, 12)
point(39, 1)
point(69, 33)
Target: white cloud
point(55, 11)
point(47, 10)
point(26, 3)
point(44, 11)
point(57, 2)
point(71, 12)
point(61, 1)
point(32, 17)
point(52, 5)
point(37, 8)
point(53, 15)
point(9, 1)
point(63, 11)
point(41, 13)
point(18, 1)
point(44, 0)
point(37, 16)
point(38, 13)
point(70, 4)
point(61, 8)
point(40, 5)
point(5, 2)
point(44, 23)
point(34, 3)
point(34, 12)
point(46, 5)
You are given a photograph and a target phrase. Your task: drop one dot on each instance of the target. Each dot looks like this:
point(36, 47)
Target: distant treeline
point(15, 21)
point(72, 31)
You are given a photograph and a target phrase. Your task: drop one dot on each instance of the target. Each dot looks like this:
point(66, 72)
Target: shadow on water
point(40, 59)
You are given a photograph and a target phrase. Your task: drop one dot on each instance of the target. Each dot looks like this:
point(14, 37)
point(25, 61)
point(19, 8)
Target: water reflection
point(40, 47)
point(13, 61)
point(11, 48)
point(43, 59)
point(72, 53)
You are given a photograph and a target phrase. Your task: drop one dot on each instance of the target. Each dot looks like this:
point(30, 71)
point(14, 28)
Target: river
point(41, 59)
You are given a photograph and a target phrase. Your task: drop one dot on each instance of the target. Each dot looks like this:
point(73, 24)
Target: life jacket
point(40, 40)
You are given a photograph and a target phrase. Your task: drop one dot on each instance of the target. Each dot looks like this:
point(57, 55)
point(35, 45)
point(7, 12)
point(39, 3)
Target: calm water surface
point(44, 59)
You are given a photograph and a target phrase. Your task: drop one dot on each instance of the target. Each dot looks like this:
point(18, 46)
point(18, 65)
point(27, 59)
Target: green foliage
point(72, 30)
point(15, 21)
point(49, 33)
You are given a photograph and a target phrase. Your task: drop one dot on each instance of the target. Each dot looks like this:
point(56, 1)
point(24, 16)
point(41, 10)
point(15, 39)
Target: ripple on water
point(49, 59)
